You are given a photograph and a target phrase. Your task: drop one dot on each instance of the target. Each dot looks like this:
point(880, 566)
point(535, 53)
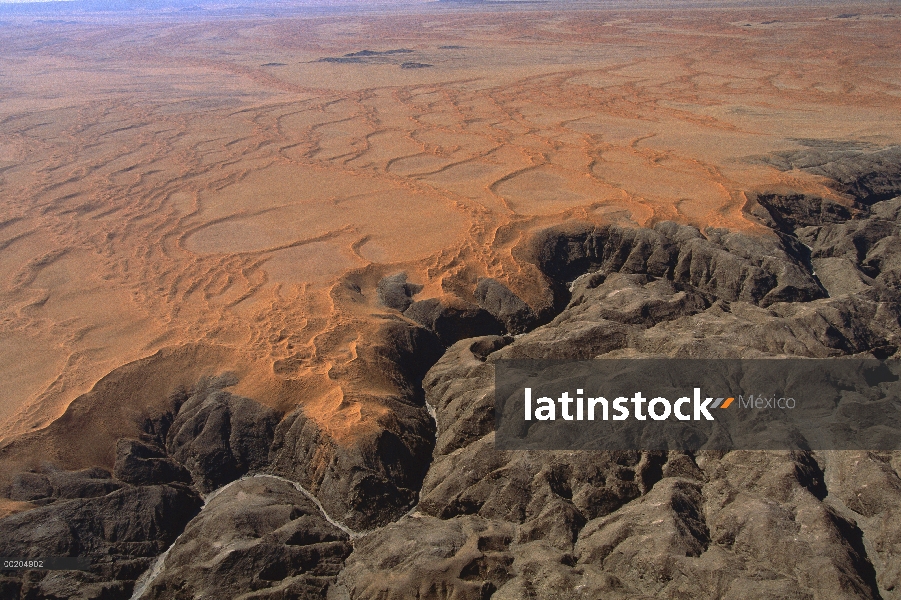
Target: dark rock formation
point(367, 56)
point(790, 211)
point(396, 292)
point(653, 525)
point(433, 558)
point(620, 525)
point(505, 306)
point(380, 52)
point(258, 534)
point(51, 485)
point(864, 172)
point(374, 480)
point(120, 532)
point(219, 437)
point(121, 528)
point(726, 265)
point(143, 464)
point(860, 254)
point(453, 323)
point(365, 484)
point(342, 60)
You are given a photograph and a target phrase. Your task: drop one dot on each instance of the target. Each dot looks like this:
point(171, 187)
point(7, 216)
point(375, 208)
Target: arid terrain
point(307, 210)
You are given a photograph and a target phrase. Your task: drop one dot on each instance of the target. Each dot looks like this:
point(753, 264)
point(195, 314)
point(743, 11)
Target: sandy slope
point(200, 192)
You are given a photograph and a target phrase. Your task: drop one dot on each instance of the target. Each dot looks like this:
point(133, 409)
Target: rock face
point(122, 523)
point(430, 558)
point(622, 525)
point(725, 265)
point(505, 306)
point(259, 534)
point(862, 254)
point(374, 480)
point(396, 292)
point(442, 514)
point(869, 174)
point(144, 464)
point(42, 488)
point(219, 437)
point(121, 532)
point(643, 525)
point(453, 323)
point(665, 525)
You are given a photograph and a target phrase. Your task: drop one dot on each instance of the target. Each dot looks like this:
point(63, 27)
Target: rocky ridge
point(425, 507)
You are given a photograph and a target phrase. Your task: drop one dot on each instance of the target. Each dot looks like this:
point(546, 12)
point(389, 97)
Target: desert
point(256, 267)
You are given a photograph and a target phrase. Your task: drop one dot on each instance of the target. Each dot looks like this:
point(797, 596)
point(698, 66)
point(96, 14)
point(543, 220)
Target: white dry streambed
point(148, 577)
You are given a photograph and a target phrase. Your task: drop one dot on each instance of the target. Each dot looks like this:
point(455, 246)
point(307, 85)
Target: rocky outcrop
point(396, 292)
point(144, 464)
point(121, 524)
point(219, 437)
point(867, 173)
point(621, 525)
point(787, 212)
point(455, 322)
point(366, 484)
point(375, 479)
point(259, 535)
point(50, 485)
point(505, 306)
point(464, 558)
point(687, 530)
point(725, 265)
point(121, 532)
point(860, 255)
point(506, 524)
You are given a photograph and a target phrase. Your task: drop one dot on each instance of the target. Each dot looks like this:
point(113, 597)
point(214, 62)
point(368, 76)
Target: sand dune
point(207, 189)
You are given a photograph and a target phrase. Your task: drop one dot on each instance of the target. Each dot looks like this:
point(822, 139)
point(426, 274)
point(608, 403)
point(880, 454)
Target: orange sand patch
point(8, 507)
